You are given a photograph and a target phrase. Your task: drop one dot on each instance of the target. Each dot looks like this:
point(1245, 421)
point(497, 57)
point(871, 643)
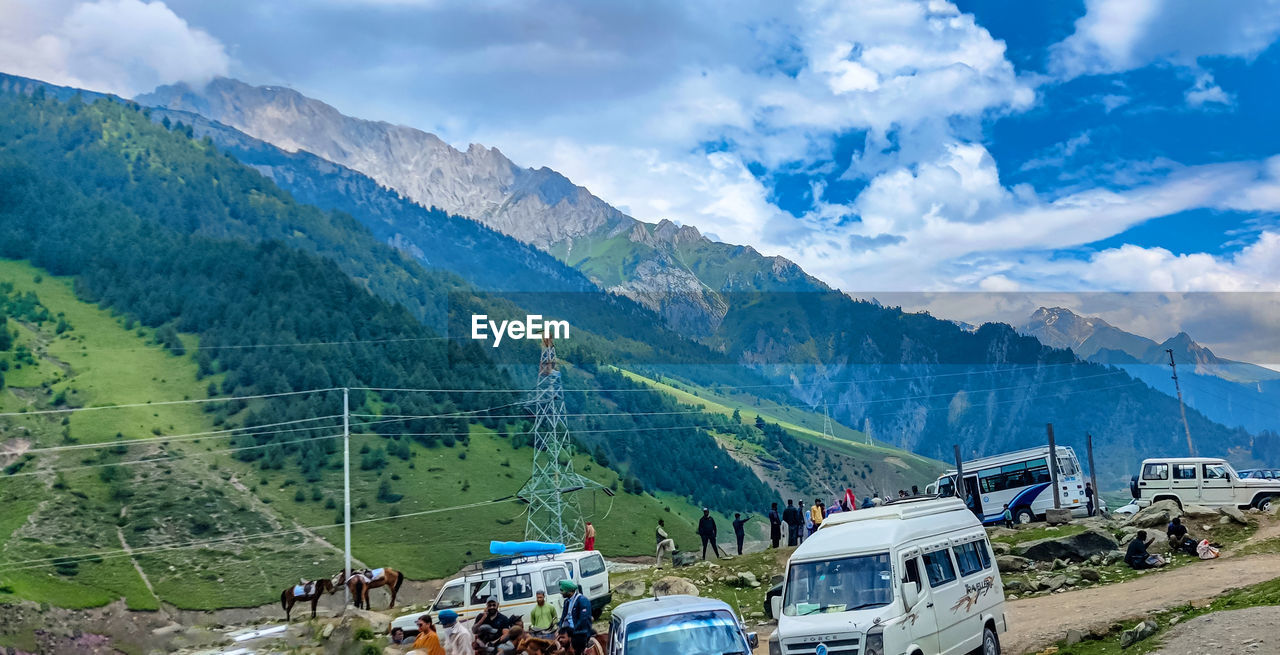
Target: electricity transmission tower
point(826, 424)
point(554, 514)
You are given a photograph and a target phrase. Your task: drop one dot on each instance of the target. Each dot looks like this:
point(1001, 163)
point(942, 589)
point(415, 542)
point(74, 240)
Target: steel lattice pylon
point(554, 514)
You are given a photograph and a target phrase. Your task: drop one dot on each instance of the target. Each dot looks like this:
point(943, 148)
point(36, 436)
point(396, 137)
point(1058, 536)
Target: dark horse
point(362, 581)
point(296, 593)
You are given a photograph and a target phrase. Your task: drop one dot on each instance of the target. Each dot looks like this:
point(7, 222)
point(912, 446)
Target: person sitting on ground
point(538, 646)
point(490, 626)
point(397, 636)
point(1137, 557)
point(1178, 539)
point(427, 640)
point(510, 644)
point(565, 641)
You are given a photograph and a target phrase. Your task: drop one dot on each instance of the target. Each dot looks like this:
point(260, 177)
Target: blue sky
point(885, 145)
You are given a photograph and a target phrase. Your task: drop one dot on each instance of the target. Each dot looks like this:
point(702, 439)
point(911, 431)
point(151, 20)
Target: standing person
point(576, 616)
point(427, 639)
point(589, 539)
point(816, 512)
point(707, 530)
point(543, 617)
point(775, 526)
point(791, 516)
point(1007, 516)
point(665, 544)
point(1088, 497)
point(915, 490)
point(739, 529)
point(457, 639)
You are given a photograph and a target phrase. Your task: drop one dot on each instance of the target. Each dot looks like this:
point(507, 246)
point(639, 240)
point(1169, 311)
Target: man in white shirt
point(455, 636)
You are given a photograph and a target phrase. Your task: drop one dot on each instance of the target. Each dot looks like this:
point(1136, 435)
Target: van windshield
point(838, 585)
point(710, 632)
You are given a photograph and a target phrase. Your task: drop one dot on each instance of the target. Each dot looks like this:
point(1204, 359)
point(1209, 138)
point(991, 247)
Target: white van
point(1207, 481)
point(515, 581)
point(912, 577)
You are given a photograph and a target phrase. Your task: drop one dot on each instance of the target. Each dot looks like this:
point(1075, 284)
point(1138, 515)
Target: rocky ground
point(1249, 631)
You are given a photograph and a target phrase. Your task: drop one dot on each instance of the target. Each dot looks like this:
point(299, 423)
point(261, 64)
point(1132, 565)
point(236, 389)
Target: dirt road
point(1039, 622)
point(1238, 632)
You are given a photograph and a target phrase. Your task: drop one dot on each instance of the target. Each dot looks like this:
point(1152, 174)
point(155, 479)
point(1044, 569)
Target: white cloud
point(1119, 35)
point(1206, 91)
point(119, 46)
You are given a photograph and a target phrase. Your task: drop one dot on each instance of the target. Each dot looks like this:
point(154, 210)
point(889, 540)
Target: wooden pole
point(1093, 471)
point(961, 491)
point(1053, 468)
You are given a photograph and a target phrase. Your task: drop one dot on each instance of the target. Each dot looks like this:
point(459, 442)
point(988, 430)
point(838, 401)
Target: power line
point(148, 550)
point(191, 436)
point(165, 402)
point(303, 344)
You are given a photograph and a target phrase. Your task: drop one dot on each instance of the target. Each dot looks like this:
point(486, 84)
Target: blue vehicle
point(686, 625)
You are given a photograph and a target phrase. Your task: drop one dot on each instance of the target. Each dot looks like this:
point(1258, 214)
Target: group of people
point(1139, 555)
point(552, 630)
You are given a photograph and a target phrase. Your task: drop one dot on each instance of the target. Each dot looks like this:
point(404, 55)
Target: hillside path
point(1035, 623)
point(1234, 632)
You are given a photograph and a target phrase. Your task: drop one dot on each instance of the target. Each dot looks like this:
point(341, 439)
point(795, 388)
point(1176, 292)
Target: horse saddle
point(304, 590)
point(370, 576)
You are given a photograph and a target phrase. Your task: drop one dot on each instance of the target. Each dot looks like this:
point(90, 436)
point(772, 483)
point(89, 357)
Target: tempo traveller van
point(911, 577)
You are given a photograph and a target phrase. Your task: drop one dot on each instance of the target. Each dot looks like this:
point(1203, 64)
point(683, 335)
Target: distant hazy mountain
point(670, 268)
point(1231, 392)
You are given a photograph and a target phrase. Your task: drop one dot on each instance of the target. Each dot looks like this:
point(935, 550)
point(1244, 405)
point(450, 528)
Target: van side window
point(970, 557)
point(552, 577)
point(482, 590)
point(517, 587)
point(592, 565)
point(1155, 472)
point(1184, 472)
point(912, 573)
point(1215, 472)
point(450, 598)
point(938, 566)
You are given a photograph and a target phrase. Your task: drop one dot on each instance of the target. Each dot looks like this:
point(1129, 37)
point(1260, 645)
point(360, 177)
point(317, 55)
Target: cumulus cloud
point(118, 46)
point(1119, 35)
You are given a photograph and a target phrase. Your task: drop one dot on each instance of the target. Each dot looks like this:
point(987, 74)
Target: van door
point(1215, 485)
point(974, 496)
point(1154, 479)
point(1186, 482)
point(517, 594)
point(478, 592)
point(978, 580)
point(919, 625)
point(947, 598)
point(593, 577)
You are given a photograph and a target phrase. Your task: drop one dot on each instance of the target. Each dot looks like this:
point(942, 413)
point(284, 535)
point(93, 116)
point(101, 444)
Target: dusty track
point(1039, 622)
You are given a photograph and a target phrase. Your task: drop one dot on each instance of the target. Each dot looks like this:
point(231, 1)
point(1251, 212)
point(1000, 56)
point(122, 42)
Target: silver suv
point(686, 625)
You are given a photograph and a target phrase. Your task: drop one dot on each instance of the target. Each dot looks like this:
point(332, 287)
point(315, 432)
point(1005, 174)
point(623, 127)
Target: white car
point(910, 577)
point(1207, 481)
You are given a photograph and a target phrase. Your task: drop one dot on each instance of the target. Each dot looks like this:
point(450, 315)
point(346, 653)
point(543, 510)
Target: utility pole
point(960, 490)
point(1053, 467)
point(1093, 471)
point(346, 491)
point(1191, 449)
point(554, 516)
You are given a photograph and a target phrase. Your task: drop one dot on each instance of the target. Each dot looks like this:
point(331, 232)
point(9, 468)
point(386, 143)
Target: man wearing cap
point(576, 616)
point(491, 625)
point(456, 635)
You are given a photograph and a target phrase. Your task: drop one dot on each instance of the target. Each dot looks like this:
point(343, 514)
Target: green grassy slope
point(885, 467)
point(210, 495)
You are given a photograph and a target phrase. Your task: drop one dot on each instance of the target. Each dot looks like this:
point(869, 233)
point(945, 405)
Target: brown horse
point(362, 581)
point(296, 593)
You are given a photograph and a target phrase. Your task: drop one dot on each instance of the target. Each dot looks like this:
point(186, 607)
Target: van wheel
point(990, 642)
point(1263, 504)
point(1024, 516)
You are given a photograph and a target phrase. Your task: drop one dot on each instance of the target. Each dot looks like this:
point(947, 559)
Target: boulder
point(1055, 583)
point(1157, 514)
point(1074, 637)
point(327, 631)
point(1057, 516)
point(1091, 575)
point(748, 579)
point(684, 559)
point(379, 623)
point(1198, 511)
point(1012, 563)
point(1138, 632)
point(1234, 514)
point(1075, 548)
point(630, 588)
point(1015, 586)
point(1001, 548)
point(673, 586)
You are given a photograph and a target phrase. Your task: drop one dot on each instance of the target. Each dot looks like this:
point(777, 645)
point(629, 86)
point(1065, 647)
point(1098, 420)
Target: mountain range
point(1231, 392)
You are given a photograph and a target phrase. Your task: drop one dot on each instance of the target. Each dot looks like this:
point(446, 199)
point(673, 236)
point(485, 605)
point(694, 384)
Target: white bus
point(1021, 480)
